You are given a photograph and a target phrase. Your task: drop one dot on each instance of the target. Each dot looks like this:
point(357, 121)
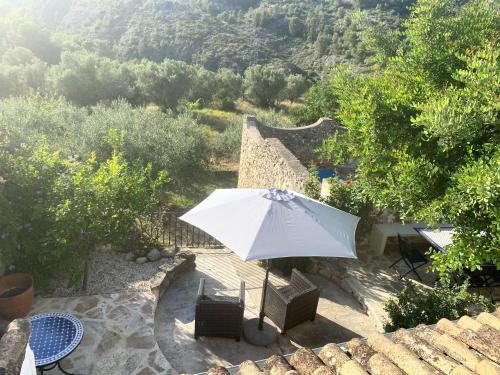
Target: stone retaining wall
point(277, 157)
point(13, 346)
point(302, 141)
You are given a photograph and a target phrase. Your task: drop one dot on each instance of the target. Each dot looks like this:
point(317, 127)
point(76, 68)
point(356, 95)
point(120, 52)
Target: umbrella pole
point(263, 299)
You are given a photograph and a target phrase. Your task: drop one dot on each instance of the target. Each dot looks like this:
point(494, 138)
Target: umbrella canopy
point(271, 223)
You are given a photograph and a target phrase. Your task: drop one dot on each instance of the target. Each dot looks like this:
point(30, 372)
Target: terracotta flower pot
point(16, 295)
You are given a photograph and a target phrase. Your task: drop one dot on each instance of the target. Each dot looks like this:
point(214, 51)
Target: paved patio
point(340, 317)
point(119, 327)
point(370, 279)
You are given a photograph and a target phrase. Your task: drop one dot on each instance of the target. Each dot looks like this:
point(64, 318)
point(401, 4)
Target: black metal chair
point(411, 257)
point(219, 316)
point(488, 277)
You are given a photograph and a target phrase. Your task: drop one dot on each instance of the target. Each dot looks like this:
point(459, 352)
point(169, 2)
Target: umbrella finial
point(278, 195)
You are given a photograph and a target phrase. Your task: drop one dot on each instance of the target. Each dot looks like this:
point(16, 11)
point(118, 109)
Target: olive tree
point(263, 84)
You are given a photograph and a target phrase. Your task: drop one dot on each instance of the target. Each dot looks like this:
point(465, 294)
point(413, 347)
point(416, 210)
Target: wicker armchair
point(219, 316)
point(292, 304)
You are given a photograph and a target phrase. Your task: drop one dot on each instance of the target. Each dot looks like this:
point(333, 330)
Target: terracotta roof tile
point(466, 347)
point(424, 350)
point(490, 319)
point(373, 362)
point(470, 338)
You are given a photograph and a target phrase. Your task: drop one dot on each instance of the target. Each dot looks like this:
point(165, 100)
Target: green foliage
point(55, 210)
point(345, 195)
point(86, 78)
point(21, 72)
point(472, 203)
point(263, 84)
point(210, 33)
point(228, 89)
point(424, 128)
point(164, 84)
point(219, 89)
point(312, 187)
point(296, 85)
point(20, 29)
point(319, 101)
point(175, 143)
point(227, 144)
point(415, 306)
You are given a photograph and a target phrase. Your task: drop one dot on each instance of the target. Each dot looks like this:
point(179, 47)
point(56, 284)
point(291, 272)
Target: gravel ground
point(110, 272)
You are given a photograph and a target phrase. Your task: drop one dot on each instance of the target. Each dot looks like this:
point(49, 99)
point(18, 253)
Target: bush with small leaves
point(414, 306)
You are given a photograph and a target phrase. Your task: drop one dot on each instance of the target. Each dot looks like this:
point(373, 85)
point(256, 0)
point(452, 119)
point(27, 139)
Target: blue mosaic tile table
point(54, 336)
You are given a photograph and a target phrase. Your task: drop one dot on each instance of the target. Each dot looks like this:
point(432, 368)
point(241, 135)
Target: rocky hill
point(310, 35)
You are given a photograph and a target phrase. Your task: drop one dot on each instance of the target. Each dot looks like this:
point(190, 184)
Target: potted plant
point(16, 295)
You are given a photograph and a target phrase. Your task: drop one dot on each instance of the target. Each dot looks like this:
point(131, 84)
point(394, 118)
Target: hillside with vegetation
point(309, 35)
point(104, 104)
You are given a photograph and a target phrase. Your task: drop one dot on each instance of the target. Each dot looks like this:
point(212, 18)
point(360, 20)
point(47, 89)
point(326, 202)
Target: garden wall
point(278, 157)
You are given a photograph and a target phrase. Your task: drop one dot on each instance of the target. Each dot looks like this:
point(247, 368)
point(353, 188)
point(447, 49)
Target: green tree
point(296, 85)
point(86, 78)
point(319, 101)
point(177, 144)
point(424, 128)
point(164, 84)
point(55, 210)
point(263, 84)
point(21, 72)
point(20, 29)
point(229, 88)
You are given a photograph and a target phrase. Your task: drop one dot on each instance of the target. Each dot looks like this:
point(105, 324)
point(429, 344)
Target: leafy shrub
point(319, 101)
point(175, 143)
point(54, 209)
point(164, 84)
point(414, 306)
point(344, 195)
point(312, 186)
point(227, 144)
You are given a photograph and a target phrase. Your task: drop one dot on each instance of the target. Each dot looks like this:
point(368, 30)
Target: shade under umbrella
point(271, 223)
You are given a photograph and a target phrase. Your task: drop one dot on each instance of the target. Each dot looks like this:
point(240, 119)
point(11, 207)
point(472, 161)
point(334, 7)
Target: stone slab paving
point(340, 317)
point(119, 327)
point(370, 279)
point(118, 336)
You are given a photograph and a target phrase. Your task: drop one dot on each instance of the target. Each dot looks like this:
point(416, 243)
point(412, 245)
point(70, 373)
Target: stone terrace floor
point(340, 317)
point(118, 334)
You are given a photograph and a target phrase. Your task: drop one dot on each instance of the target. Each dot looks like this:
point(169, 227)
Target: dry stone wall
point(276, 157)
point(13, 346)
point(302, 141)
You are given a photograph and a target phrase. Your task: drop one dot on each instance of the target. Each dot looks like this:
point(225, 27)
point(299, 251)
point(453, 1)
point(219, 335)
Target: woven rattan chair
point(219, 316)
point(292, 304)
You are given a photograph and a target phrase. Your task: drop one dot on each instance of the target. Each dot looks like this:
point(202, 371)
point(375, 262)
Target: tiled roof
point(467, 346)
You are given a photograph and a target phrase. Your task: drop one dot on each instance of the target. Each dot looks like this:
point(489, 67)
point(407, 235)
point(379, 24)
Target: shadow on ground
point(339, 318)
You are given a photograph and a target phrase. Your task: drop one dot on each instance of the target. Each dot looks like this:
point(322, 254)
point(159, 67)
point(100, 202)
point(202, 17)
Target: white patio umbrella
point(271, 223)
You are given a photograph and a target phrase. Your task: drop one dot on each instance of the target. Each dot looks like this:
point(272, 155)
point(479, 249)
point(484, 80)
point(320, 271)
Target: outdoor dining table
point(438, 238)
point(54, 336)
point(487, 277)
